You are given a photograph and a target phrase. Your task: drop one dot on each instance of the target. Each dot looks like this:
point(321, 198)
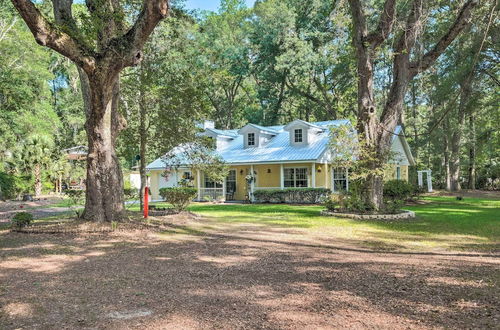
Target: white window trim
point(295, 131)
point(332, 174)
point(254, 139)
point(295, 176)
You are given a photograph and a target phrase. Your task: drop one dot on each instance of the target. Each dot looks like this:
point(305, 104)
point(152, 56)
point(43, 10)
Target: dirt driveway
point(244, 277)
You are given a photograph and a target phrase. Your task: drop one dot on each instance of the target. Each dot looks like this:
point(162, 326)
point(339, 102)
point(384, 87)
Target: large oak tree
point(377, 128)
point(101, 44)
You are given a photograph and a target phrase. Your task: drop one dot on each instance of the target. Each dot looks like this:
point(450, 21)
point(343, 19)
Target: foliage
point(76, 199)
point(351, 201)
point(398, 190)
point(131, 193)
point(21, 220)
point(179, 197)
point(291, 195)
point(198, 156)
point(12, 186)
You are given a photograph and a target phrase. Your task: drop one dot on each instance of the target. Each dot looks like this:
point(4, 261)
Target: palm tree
point(35, 154)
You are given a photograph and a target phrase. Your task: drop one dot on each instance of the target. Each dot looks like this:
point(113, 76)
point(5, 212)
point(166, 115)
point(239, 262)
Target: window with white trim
point(298, 135)
point(295, 177)
point(340, 179)
point(211, 184)
point(251, 139)
point(398, 172)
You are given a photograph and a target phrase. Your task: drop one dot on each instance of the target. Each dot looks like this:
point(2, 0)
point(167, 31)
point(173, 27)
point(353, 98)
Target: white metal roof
point(278, 149)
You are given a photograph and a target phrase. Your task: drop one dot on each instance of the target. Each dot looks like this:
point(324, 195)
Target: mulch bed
point(71, 226)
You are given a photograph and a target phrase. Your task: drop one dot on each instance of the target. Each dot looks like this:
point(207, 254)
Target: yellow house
point(274, 157)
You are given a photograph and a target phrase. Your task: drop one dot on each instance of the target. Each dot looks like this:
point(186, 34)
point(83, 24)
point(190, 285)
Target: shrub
point(21, 219)
point(179, 197)
point(76, 198)
point(291, 195)
point(398, 190)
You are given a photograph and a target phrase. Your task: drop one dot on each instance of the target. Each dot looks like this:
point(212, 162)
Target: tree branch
point(130, 45)
point(46, 34)
point(462, 20)
point(385, 25)
point(360, 28)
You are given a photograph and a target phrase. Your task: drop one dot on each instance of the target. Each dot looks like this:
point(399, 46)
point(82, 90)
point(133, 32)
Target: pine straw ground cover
point(211, 272)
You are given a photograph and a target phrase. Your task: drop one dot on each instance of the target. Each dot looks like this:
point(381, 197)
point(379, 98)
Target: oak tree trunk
point(104, 182)
point(99, 62)
point(377, 133)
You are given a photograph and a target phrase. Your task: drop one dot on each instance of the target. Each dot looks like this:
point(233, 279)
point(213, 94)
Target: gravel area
point(237, 277)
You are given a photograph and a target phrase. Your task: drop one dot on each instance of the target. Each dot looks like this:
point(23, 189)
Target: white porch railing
point(211, 194)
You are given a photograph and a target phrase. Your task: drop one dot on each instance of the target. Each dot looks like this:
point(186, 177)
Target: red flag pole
point(146, 201)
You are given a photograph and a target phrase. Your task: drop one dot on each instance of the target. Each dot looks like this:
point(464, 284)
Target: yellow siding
point(390, 172)
point(240, 181)
point(321, 175)
point(404, 172)
point(273, 179)
point(265, 179)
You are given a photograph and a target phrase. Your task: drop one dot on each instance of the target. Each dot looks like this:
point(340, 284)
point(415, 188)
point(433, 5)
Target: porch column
point(282, 177)
point(198, 184)
point(429, 181)
point(252, 184)
point(313, 176)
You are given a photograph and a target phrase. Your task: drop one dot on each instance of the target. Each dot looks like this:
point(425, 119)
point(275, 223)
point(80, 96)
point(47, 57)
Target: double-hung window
point(340, 179)
point(251, 139)
point(211, 184)
point(298, 135)
point(295, 177)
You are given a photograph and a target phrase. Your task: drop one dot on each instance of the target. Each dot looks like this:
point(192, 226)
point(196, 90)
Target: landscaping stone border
point(386, 217)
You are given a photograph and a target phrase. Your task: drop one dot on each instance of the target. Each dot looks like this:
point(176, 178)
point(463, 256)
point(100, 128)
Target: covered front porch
point(244, 180)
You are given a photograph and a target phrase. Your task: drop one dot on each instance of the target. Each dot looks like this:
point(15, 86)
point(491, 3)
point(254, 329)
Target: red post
point(146, 202)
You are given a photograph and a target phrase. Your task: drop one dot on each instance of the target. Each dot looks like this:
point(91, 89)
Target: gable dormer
point(255, 136)
point(221, 137)
point(302, 133)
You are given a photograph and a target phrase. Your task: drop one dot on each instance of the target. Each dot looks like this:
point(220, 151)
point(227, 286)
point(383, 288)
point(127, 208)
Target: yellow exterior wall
point(273, 179)
point(240, 181)
point(390, 172)
point(321, 177)
point(265, 179)
point(154, 182)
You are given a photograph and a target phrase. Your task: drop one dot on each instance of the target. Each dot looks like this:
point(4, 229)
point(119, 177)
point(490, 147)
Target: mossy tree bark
point(377, 130)
point(114, 47)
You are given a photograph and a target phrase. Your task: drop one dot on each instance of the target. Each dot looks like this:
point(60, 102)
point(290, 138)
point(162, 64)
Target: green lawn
point(443, 223)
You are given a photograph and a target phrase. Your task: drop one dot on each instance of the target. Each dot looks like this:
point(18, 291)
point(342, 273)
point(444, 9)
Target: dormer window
point(298, 135)
point(251, 139)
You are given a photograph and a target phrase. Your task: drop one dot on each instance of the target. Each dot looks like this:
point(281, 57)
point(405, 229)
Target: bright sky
point(209, 4)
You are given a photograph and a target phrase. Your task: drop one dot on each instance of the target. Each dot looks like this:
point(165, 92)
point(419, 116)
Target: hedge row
point(291, 195)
